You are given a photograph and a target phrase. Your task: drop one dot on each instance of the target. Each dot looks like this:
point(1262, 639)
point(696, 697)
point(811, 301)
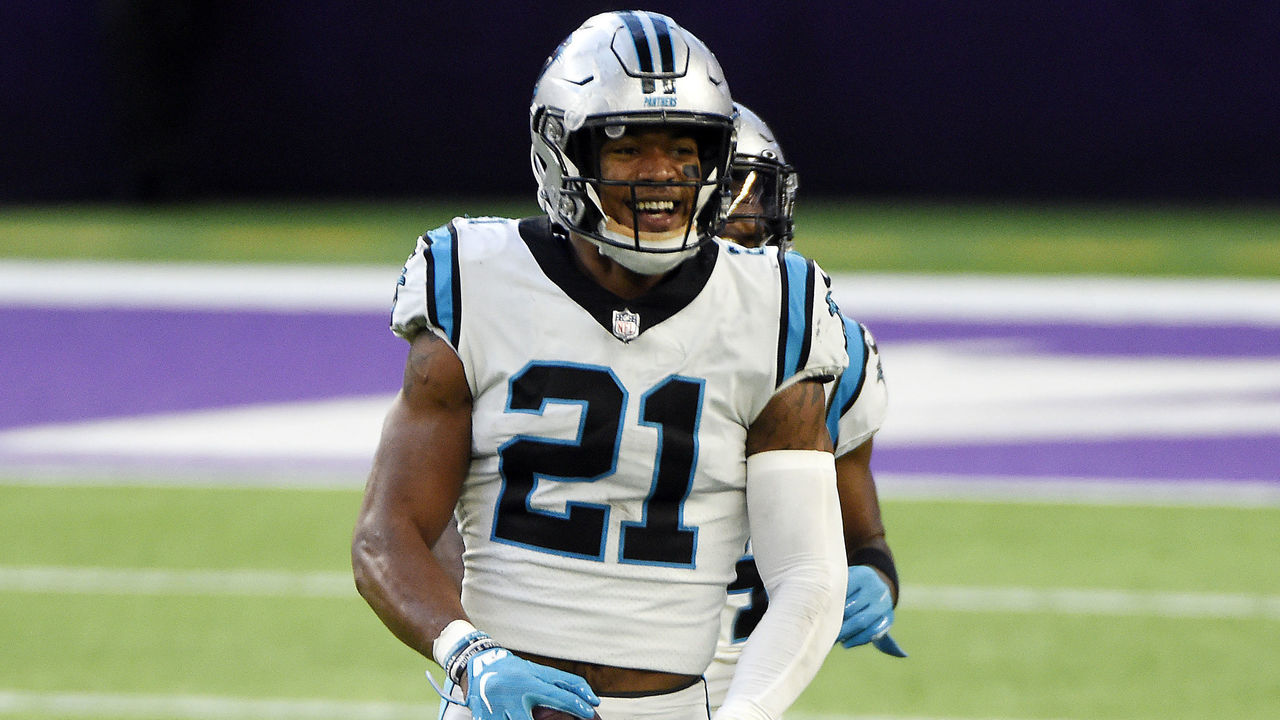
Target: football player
point(607, 396)
point(761, 213)
point(762, 189)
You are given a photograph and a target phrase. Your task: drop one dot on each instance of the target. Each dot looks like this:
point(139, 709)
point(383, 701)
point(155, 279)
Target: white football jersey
point(856, 410)
point(860, 399)
point(604, 509)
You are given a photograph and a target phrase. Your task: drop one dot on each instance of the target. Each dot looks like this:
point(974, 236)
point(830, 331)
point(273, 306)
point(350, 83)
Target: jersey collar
point(550, 248)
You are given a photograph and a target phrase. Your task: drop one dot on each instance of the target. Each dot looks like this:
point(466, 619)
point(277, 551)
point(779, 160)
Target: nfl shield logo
point(626, 325)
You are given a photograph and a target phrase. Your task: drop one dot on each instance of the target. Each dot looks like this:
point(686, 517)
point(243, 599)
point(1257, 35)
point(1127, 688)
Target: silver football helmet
point(762, 187)
point(630, 71)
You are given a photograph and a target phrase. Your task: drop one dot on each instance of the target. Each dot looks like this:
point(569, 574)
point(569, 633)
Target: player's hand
point(502, 686)
point(868, 612)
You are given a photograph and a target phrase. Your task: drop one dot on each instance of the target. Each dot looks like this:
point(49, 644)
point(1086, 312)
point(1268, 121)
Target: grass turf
point(963, 664)
point(843, 236)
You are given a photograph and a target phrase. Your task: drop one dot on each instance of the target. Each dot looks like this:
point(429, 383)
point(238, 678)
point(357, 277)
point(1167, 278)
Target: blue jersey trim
point(796, 322)
point(849, 385)
point(445, 308)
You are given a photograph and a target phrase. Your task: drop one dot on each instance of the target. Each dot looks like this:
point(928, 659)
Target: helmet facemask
point(586, 196)
point(761, 203)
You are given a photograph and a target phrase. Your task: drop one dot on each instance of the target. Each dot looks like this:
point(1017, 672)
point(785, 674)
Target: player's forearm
point(407, 587)
point(785, 651)
point(864, 532)
point(797, 543)
point(448, 551)
point(418, 469)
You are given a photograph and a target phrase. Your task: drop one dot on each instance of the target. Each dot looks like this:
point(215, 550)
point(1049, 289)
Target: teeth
point(656, 206)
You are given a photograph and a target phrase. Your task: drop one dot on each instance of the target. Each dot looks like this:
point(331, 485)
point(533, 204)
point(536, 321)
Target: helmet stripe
point(641, 40)
point(664, 43)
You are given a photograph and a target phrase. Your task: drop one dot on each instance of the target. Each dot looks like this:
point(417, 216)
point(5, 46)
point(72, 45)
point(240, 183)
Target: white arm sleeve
point(799, 549)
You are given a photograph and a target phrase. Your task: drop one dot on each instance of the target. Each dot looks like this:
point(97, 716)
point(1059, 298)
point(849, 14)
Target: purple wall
point(1177, 100)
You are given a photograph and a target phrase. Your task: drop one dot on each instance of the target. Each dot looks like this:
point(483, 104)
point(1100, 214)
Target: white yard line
point(1073, 601)
point(863, 295)
point(1132, 492)
point(267, 583)
point(891, 486)
point(203, 707)
point(212, 286)
point(206, 707)
point(144, 581)
point(842, 716)
point(1047, 298)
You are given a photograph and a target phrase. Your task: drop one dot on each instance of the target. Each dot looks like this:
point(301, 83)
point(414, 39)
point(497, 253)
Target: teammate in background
point(609, 398)
point(761, 212)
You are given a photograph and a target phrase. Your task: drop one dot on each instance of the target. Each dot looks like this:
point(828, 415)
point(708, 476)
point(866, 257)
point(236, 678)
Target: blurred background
point(146, 100)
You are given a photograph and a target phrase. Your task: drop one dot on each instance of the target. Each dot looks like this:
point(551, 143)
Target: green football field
point(179, 602)
point(841, 236)
point(146, 598)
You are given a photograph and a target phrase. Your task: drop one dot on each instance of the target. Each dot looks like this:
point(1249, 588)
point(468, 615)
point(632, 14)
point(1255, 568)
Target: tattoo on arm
point(795, 419)
point(813, 396)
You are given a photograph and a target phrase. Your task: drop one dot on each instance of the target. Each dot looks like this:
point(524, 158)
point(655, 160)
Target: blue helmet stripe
point(445, 308)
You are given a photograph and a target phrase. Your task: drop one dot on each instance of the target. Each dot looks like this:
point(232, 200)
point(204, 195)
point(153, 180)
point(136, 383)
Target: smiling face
point(649, 156)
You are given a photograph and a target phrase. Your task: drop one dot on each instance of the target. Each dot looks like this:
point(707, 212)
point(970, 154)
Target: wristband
point(457, 644)
point(453, 638)
point(880, 560)
point(458, 663)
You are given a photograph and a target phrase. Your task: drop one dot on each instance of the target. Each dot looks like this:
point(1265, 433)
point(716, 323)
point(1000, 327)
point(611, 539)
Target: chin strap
point(646, 263)
point(640, 261)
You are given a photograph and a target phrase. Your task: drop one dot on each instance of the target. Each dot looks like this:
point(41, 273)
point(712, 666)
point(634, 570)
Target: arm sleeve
point(796, 537)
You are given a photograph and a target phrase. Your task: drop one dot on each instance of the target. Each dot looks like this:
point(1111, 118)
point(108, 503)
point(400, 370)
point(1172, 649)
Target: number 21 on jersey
point(673, 407)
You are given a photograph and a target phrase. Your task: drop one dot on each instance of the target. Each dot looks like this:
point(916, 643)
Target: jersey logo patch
point(626, 325)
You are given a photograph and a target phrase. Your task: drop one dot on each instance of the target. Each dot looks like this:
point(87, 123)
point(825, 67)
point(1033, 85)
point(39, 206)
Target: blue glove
point(868, 612)
point(885, 643)
point(502, 686)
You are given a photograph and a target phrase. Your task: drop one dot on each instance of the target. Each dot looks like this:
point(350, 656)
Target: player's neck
point(620, 281)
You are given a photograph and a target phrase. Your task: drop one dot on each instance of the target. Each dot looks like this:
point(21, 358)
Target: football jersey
point(856, 410)
point(604, 509)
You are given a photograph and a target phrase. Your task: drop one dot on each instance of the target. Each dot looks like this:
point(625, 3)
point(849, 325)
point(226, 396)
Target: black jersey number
point(748, 580)
point(673, 407)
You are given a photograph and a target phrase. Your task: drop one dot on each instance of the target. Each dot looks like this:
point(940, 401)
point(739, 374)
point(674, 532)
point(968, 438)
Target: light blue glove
point(868, 612)
point(885, 643)
point(502, 686)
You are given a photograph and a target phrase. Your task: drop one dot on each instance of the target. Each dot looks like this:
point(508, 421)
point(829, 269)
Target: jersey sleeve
point(427, 295)
point(811, 341)
point(860, 399)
